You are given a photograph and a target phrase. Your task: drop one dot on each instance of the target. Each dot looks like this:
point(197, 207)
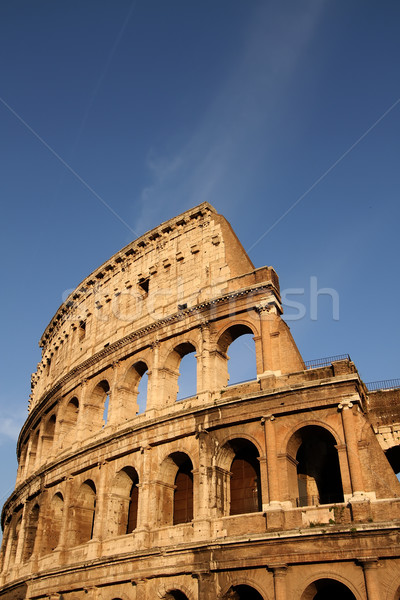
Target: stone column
point(146, 508)
point(269, 309)
point(205, 585)
point(279, 572)
point(352, 447)
point(62, 541)
point(80, 423)
point(101, 504)
point(141, 588)
point(274, 512)
point(272, 461)
point(114, 415)
point(201, 487)
point(21, 537)
point(154, 378)
point(264, 481)
point(372, 586)
point(204, 380)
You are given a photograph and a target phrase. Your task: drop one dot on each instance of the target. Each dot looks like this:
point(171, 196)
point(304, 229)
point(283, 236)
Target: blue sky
point(116, 116)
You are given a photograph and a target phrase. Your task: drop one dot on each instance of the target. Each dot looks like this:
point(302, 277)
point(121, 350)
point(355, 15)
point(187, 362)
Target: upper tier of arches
point(148, 381)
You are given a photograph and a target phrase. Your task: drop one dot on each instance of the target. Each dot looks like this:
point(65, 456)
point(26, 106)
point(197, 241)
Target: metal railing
point(385, 384)
point(326, 361)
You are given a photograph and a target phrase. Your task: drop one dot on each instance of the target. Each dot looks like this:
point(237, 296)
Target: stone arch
point(23, 458)
point(238, 477)
point(225, 453)
point(174, 591)
point(68, 421)
point(82, 513)
point(123, 502)
point(31, 527)
point(47, 437)
point(171, 372)
point(34, 449)
point(313, 468)
point(396, 595)
point(96, 406)
point(244, 589)
point(13, 539)
point(53, 523)
point(175, 594)
point(225, 337)
point(288, 438)
point(329, 588)
point(131, 403)
point(176, 489)
point(5, 542)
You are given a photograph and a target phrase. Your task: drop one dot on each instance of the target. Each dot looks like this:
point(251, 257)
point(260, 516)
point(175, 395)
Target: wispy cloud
point(10, 426)
point(243, 109)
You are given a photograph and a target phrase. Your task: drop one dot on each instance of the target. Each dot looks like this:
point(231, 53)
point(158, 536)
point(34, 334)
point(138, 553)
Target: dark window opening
point(245, 482)
point(244, 592)
point(176, 595)
point(328, 589)
point(133, 508)
point(318, 471)
point(183, 494)
point(144, 284)
point(82, 330)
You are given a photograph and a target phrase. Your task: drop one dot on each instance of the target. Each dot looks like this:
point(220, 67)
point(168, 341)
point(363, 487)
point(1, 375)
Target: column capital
point(345, 404)
point(267, 418)
point(279, 569)
point(371, 562)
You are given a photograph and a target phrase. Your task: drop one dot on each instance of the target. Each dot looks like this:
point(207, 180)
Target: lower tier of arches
point(362, 579)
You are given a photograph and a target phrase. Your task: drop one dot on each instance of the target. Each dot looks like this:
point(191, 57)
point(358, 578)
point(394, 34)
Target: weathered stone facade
point(277, 488)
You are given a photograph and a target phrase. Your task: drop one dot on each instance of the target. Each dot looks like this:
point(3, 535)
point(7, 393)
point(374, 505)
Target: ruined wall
point(276, 486)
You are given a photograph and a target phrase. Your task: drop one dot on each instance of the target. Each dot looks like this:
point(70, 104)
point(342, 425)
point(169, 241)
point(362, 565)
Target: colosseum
point(278, 488)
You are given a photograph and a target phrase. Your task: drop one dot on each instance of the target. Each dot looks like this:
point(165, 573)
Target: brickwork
point(275, 488)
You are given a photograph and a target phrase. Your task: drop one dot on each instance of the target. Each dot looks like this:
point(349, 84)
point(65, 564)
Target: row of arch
point(117, 400)
point(313, 473)
point(320, 589)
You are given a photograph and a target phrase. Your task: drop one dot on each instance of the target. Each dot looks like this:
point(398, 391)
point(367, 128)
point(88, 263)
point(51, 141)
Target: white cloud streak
point(244, 107)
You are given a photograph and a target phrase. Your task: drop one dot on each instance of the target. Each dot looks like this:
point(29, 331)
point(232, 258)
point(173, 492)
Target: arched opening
point(48, 437)
point(393, 456)
point(83, 513)
point(241, 364)
point(187, 381)
point(175, 490)
point(316, 479)
point(33, 453)
point(23, 459)
point(124, 501)
point(175, 595)
point(5, 542)
point(97, 409)
point(143, 387)
point(30, 532)
point(327, 589)
point(183, 493)
point(14, 538)
point(69, 423)
point(133, 392)
point(52, 526)
point(243, 592)
point(245, 483)
point(180, 376)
